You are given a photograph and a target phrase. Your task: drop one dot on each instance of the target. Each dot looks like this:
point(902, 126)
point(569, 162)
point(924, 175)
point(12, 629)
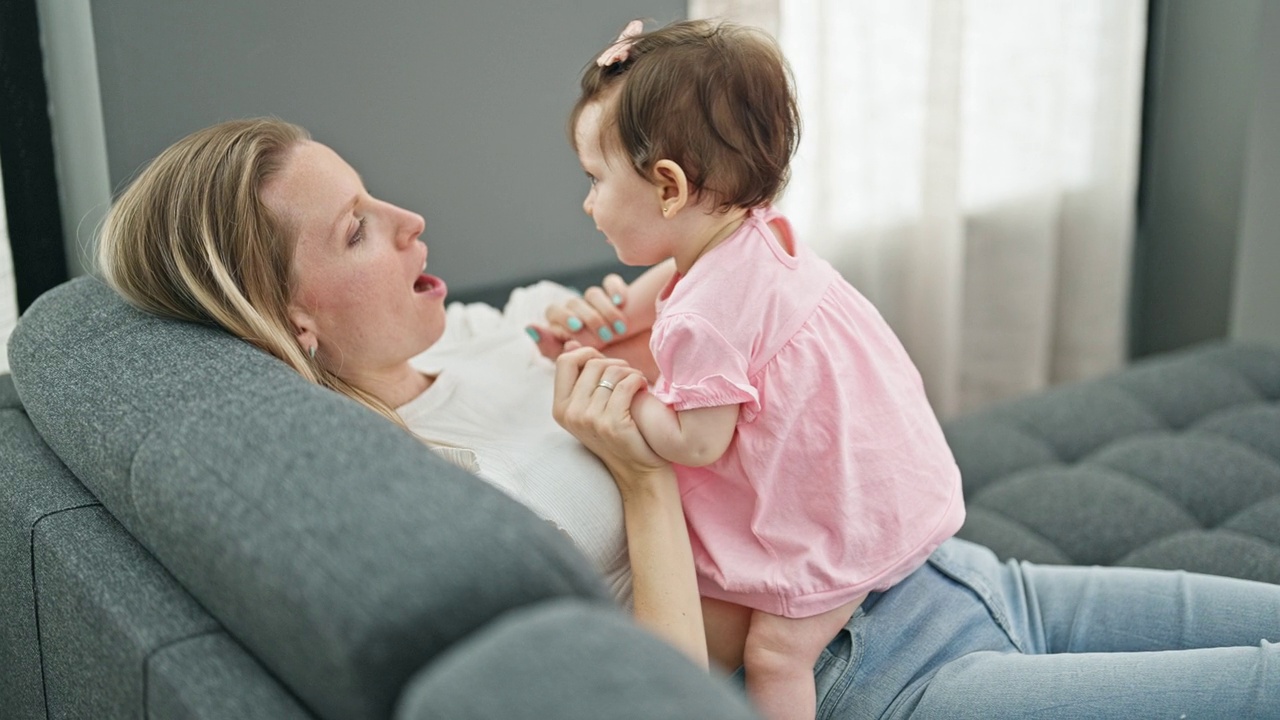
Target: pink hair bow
point(621, 48)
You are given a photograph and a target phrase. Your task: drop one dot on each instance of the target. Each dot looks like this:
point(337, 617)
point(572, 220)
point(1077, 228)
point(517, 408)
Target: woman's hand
point(596, 319)
point(663, 582)
point(601, 417)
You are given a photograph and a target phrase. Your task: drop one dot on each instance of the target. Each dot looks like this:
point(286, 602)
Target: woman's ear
point(672, 186)
point(304, 330)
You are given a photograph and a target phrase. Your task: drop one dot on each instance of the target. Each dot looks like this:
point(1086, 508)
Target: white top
point(489, 411)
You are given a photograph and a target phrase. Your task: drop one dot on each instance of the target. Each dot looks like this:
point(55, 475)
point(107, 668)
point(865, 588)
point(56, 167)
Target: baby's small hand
point(596, 319)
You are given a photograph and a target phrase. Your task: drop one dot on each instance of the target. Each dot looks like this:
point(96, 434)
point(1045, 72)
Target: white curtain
point(8, 288)
point(971, 166)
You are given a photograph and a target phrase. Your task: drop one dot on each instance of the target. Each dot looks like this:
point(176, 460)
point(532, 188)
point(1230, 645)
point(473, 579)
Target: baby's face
point(626, 207)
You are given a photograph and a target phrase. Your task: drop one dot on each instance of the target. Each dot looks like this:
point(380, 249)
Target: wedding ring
point(605, 384)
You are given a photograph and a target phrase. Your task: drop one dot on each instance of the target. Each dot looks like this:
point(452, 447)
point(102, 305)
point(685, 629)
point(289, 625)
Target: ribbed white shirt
point(489, 411)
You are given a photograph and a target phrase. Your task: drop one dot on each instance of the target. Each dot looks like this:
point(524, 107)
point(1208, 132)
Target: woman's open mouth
point(429, 285)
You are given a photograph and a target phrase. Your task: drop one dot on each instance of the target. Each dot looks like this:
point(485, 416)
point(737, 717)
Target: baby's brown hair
point(714, 97)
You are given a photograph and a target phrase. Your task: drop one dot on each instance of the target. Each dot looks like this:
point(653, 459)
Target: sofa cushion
point(333, 545)
point(104, 607)
point(34, 486)
point(1171, 463)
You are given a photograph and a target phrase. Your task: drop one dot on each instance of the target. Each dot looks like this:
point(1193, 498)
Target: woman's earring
point(312, 352)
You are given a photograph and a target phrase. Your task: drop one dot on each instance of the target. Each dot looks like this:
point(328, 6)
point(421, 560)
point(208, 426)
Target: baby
point(811, 467)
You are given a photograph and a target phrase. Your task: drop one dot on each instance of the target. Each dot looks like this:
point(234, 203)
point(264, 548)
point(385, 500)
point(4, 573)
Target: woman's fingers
point(569, 367)
point(612, 323)
point(595, 318)
point(593, 397)
point(550, 340)
point(624, 391)
point(578, 374)
point(620, 437)
point(616, 288)
point(576, 319)
point(612, 377)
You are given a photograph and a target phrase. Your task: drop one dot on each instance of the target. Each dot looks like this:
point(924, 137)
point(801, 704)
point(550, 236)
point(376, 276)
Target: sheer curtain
point(971, 166)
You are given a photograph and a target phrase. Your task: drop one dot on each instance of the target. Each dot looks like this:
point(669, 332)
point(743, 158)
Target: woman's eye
point(358, 235)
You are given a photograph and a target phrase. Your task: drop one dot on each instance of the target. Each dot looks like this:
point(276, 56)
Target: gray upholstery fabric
point(104, 605)
point(229, 468)
point(211, 677)
point(1172, 463)
point(8, 395)
point(34, 486)
point(543, 662)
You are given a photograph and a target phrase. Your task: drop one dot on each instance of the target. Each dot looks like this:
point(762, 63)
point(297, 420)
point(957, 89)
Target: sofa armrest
point(568, 660)
point(331, 544)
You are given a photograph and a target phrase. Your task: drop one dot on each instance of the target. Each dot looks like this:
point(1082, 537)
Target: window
point(8, 288)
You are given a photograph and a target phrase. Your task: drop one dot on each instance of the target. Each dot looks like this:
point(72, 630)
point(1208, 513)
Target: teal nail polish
point(574, 324)
point(620, 327)
point(617, 299)
point(605, 335)
point(533, 334)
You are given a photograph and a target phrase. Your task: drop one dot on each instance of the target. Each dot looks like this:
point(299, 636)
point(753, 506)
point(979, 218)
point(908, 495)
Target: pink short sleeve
point(699, 367)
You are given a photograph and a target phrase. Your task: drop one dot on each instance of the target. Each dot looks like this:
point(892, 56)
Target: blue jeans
point(967, 636)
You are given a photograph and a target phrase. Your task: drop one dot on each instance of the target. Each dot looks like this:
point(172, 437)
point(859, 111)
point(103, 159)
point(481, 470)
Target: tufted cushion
point(1173, 462)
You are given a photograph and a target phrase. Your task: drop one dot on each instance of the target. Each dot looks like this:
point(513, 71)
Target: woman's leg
point(1238, 682)
point(1120, 642)
point(1096, 609)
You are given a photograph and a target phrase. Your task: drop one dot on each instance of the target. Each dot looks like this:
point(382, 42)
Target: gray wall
point(1256, 311)
point(457, 110)
point(1202, 78)
point(454, 109)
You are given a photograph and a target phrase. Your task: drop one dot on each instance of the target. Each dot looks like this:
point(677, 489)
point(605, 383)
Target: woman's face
point(360, 292)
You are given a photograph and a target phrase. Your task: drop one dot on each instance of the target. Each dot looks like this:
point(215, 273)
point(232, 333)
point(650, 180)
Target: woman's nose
point(412, 225)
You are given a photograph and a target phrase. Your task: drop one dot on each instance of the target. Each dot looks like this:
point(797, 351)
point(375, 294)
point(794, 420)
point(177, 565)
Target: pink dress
point(838, 480)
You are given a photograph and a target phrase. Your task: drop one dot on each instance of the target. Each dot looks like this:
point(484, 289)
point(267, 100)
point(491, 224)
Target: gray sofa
point(189, 530)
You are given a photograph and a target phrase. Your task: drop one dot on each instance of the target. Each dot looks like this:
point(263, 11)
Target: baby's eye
point(592, 179)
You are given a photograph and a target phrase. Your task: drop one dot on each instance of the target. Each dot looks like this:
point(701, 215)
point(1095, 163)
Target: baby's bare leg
point(726, 628)
point(779, 656)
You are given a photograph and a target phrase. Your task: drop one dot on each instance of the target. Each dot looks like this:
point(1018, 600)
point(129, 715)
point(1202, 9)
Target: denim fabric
point(967, 636)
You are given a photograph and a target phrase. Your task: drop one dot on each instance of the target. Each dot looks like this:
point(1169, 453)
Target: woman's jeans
point(967, 636)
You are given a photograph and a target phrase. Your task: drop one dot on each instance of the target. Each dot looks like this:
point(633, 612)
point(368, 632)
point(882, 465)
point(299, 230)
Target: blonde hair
point(192, 239)
point(714, 97)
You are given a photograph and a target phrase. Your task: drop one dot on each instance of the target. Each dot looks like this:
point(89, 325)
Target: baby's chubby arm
point(690, 437)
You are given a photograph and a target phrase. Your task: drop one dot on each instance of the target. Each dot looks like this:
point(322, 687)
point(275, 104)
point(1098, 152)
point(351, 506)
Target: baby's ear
point(672, 186)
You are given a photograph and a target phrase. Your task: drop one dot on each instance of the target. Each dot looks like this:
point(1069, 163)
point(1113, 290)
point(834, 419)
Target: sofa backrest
point(1173, 462)
point(329, 542)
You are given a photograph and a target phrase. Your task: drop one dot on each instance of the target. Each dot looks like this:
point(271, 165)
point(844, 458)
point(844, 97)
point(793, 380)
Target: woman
point(252, 226)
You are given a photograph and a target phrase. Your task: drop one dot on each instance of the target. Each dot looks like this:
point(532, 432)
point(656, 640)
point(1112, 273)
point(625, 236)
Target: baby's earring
point(312, 352)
